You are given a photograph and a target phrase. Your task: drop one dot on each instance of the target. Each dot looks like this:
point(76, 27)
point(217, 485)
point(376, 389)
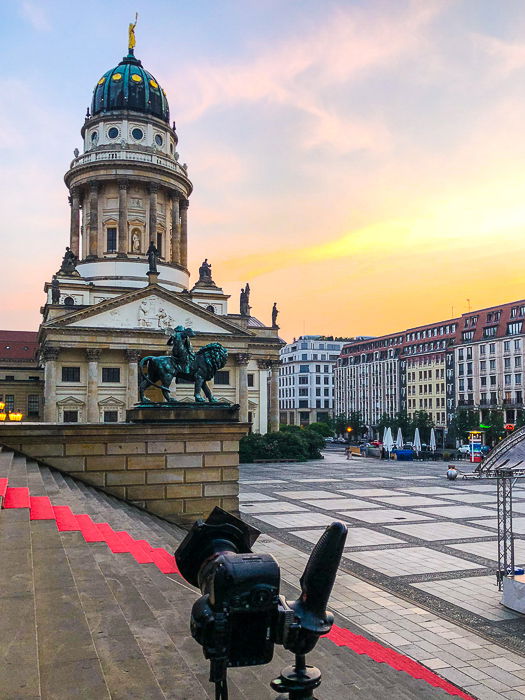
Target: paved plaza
point(418, 569)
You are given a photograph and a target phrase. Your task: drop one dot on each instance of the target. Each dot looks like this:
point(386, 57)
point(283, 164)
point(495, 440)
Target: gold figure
point(131, 33)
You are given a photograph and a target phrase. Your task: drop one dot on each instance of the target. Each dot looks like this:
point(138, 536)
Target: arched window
point(210, 308)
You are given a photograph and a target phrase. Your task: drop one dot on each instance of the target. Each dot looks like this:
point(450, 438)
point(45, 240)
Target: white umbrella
point(385, 433)
point(432, 440)
point(399, 440)
point(388, 441)
point(417, 441)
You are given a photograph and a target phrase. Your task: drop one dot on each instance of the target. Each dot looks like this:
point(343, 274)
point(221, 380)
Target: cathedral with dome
point(124, 280)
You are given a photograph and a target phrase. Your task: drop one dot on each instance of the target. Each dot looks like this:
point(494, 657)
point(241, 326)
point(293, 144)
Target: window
point(483, 366)
point(514, 328)
point(303, 404)
point(508, 379)
point(70, 416)
point(483, 381)
point(10, 377)
point(222, 377)
point(517, 379)
point(506, 346)
point(489, 332)
point(251, 379)
point(318, 391)
point(304, 357)
point(10, 402)
point(507, 362)
point(492, 348)
point(111, 374)
point(469, 367)
point(110, 416)
point(33, 405)
point(492, 365)
point(493, 380)
point(517, 345)
point(327, 380)
point(303, 392)
point(304, 368)
point(482, 349)
point(517, 361)
point(317, 368)
point(71, 374)
point(111, 239)
point(318, 380)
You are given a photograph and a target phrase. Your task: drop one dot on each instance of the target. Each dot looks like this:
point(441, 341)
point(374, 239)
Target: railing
point(137, 156)
point(468, 402)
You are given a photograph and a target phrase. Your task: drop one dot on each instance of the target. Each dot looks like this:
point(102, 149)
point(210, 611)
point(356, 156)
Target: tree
point(495, 431)
point(520, 419)
point(322, 428)
point(353, 420)
point(424, 422)
point(464, 420)
point(385, 421)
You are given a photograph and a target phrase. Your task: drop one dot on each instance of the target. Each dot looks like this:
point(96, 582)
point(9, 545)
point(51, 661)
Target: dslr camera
point(240, 615)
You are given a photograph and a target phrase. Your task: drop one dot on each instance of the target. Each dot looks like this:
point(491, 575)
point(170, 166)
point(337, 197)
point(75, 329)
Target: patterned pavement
point(419, 562)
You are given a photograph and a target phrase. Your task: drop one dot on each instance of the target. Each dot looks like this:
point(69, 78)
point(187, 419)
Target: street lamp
point(7, 415)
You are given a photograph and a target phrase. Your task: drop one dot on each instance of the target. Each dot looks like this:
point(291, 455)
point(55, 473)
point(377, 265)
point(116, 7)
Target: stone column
point(153, 189)
point(123, 244)
point(74, 232)
point(274, 395)
point(175, 230)
point(133, 356)
point(263, 396)
point(93, 220)
point(92, 386)
point(50, 356)
point(184, 204)
point(242, 362)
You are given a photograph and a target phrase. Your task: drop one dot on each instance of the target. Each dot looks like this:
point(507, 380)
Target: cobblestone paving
point(427, 587)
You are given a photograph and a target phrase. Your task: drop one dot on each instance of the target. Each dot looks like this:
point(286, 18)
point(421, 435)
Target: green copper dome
point(129, 86)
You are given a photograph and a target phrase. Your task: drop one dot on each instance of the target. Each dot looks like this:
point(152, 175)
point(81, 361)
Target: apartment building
point(306, 379)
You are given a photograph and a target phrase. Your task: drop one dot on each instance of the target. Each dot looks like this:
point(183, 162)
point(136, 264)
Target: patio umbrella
point(388, 442)
point(385, 433)
point(417, 441)
point(399, 439)
point(432, 440)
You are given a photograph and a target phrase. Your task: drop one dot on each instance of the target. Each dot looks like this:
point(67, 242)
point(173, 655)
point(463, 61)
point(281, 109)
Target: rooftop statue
point(245, 301)
point(69, 262)
point(205, 272)
point(153, 255)
point(275, 312)
point(131, 33)
point(182, 364)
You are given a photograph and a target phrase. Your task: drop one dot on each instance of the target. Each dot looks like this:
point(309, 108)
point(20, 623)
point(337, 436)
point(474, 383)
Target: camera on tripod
point(241, 616)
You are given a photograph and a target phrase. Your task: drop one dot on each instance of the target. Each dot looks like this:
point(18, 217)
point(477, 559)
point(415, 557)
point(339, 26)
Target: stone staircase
point(92, 606)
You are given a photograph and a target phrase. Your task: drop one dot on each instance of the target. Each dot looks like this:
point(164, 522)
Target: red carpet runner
point(121, 541)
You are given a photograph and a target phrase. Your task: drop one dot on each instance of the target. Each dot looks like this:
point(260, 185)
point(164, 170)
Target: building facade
point(107, 307)
point(21, 377)
point(471, 362)
point(306, 379)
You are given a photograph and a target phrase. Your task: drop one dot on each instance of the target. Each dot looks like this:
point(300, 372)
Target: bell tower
point(128, 187)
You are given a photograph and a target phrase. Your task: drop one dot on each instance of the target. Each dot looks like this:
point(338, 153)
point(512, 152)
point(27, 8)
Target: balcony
point(512, 402)
point(466, 402)
point(129, 155)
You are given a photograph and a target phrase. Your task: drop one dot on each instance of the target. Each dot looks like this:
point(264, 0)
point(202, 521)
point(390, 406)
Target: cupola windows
point(113, 132)
point(137, 134)
point(158, 140)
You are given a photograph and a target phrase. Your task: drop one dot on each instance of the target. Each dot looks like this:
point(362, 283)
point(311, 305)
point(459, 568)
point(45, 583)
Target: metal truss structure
point(506, 478)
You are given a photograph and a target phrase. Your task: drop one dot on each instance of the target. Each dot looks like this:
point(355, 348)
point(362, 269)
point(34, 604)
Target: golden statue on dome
point(131, 33)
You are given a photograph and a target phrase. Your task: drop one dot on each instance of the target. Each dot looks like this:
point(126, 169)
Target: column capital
point(123, 184)
point(133, 355)
point(50, 354)
point(153, 187)
point(74, 192)
point(94, 185)
point(242, 358)
point(184, 203)
point(93, 354)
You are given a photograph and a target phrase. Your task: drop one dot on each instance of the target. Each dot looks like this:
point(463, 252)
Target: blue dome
point(129, 86)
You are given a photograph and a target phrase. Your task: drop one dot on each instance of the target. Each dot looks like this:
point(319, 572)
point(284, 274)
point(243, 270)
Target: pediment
point(70, 401)
point(152, 308)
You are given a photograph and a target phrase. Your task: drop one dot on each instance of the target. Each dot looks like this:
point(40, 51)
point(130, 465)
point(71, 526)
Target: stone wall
point(177, 471)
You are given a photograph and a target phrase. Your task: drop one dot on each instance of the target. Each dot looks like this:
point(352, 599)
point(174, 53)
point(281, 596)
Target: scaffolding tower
point(506, 478)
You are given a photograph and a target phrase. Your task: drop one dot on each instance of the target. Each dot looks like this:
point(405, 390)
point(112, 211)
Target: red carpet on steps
point(120, 542)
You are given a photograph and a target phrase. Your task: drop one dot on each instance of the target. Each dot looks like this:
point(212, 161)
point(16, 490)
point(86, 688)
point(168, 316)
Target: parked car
point(464, 449)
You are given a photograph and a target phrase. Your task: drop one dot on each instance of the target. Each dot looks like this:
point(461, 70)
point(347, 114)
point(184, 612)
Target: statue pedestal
point(153, 277)
point(183, 413)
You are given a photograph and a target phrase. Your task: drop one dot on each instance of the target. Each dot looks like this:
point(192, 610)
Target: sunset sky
point(362, 163)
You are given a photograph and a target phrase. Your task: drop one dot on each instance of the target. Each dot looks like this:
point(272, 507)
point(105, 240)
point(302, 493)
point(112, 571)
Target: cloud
point(36, 16)
point(299, 72)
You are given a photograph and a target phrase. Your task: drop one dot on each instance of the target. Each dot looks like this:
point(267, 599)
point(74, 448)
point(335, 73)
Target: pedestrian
point(348, 452)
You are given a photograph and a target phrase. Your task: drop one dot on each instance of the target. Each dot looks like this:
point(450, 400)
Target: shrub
point(292, 443)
